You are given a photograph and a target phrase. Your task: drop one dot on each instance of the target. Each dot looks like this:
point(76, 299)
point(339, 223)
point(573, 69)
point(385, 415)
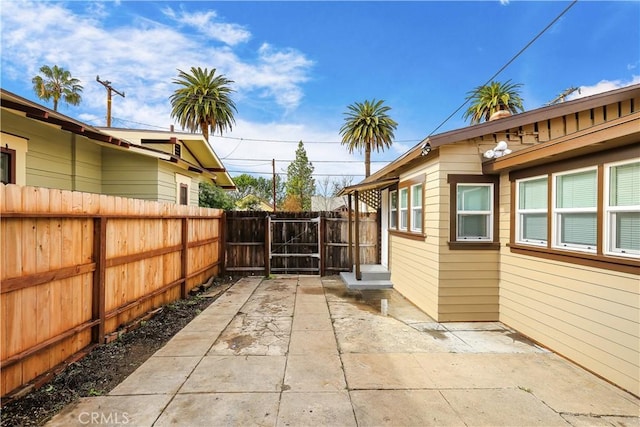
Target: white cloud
point(602, 86)
point(504, 2)
point(259, 143)
point(142, 57)
point(204, 22)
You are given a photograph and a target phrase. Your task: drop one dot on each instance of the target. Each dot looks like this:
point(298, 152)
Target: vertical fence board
point(247, 242)
point(52, 231)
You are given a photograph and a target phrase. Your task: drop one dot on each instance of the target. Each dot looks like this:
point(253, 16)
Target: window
point(531, 212)
point(183, 188)
point(406, 208)
point(184, 194)
point(393, 209)
point(472, 218)
point(622, 210)
point(416, 208)
point(593, 212)
point(404, 195)
point(474, 212)
point(575, 210)
point(8, 166)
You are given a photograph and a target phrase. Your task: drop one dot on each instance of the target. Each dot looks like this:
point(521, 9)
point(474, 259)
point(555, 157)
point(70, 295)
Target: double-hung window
point(406, 208)
point(622, 208)
point(393, 209)
point(531, 211)
point(575, 210)
point(416, 208)
point(474, 212)
point(404, 212)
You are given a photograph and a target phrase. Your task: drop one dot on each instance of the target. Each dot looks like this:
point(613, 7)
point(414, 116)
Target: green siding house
point(43, 148)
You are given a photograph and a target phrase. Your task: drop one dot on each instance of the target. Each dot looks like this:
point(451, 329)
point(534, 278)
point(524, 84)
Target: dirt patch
point(240, 342)
point(107, 365)
point(363, 300)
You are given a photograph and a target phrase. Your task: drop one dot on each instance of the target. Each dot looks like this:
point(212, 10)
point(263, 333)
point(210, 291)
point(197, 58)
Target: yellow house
point(544, 237)
point(43, 148)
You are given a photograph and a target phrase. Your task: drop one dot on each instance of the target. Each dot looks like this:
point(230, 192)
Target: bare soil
point(108, 365)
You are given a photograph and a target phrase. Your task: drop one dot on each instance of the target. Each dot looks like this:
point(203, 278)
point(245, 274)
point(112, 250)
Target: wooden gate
point(296, 242)
point(294, 245)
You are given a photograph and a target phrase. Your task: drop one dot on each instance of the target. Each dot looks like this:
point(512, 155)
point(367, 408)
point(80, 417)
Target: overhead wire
point(497, 73)
point(504, 67)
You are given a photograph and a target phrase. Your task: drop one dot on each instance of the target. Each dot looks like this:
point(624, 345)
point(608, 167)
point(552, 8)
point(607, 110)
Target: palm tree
point(496, 96)
point(367, 126)
point(57, 83)
point(203, 101)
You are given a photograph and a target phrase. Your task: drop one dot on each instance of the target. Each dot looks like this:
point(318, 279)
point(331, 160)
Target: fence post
point(99, 275)
point(357, 234)
point(184, 260)
point(321, 239)
point(267, 246)
point(222, 251)
point(350, 234)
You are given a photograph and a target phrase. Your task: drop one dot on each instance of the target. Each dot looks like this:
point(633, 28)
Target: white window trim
point(415, 208)
point(609, 215)
point(186, 180)
point(557, 212)
point(489, 214)
point(401, 209)
point(519, 212)
point(393, 211)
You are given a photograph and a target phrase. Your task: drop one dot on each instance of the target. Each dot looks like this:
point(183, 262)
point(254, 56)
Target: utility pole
point(563, 95)
point(107, 85)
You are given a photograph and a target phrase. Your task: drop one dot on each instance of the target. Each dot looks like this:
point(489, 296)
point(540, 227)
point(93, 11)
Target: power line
point(505, 65)
point(296, 141)
point(314, 161)
point(285, 173)
point(239, 138)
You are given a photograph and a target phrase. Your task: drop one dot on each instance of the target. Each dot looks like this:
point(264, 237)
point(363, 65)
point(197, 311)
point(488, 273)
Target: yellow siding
point(468, 285)
point(588, 315)
point(129, 175)
point(414, 272)
point(414, 264)
point(87, 164)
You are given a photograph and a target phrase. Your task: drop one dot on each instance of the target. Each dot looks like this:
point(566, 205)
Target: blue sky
point(297, 65)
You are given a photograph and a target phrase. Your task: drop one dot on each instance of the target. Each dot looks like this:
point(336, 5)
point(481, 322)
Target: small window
point(8, 166)
point(575, 210)
point(393, 209)
point(622, 228)
point(184, 194)
point(474, 212)
point(531, 211)
point(416, 208)
point(404, 211)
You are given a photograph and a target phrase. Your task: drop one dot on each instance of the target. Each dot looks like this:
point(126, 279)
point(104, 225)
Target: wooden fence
point(75, 267)
point(248, 242)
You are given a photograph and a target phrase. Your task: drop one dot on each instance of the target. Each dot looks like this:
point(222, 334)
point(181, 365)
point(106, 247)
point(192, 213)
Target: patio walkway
point(302, 351)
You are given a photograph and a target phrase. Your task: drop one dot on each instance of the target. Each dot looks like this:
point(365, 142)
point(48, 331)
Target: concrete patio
point(304, 351)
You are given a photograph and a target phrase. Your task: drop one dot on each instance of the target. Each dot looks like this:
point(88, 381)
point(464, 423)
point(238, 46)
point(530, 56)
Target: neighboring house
point(43, 148)
point(545, 239)
point(335, 204)
point(254, 203)
point(322, 203)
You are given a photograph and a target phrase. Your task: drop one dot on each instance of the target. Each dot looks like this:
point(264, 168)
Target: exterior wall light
point(426, 149)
